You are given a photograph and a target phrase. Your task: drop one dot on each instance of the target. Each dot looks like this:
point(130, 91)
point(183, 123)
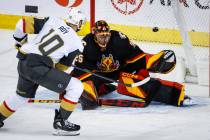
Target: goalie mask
point(75, 18)
point(101, 31)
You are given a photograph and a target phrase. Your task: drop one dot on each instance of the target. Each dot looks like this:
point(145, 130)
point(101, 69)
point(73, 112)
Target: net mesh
point(154, 20)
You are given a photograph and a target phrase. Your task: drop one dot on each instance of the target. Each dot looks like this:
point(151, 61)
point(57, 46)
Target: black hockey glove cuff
point(20, 41)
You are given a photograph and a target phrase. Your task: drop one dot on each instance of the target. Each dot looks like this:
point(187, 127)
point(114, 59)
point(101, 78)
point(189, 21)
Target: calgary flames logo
point(107, 64)
point(127, 7)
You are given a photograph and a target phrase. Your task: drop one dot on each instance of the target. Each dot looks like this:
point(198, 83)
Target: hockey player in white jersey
point(41, 62)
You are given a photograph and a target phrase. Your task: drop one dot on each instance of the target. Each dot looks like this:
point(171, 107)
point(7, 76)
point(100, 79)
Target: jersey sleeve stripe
point(134, 59)
point(24, 25)
point(29, 25)
point(84, 76)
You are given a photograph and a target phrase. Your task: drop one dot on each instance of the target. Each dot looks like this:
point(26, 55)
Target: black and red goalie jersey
point(115, 57)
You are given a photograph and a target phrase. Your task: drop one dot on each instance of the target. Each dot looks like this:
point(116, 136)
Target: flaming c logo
point(65, 3)
point(108, 64)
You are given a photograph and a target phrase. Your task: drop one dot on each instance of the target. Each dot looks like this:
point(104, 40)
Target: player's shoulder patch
point(132, 44)
point(118, 34)
point(122, 36)
point(84, 43)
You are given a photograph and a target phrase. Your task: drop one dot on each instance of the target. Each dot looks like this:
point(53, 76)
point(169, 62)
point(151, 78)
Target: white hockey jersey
point(54, 39)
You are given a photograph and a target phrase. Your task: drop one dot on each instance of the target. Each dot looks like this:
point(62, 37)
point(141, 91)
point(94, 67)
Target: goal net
point(178, 23)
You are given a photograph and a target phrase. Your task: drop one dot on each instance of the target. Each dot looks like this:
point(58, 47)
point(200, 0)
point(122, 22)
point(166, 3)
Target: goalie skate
point(64, 127)
point(1, 120)
point(1, 124)
point(188, 101)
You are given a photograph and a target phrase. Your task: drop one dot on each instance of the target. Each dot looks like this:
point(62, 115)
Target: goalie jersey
point(56, 40)
point(119, 53)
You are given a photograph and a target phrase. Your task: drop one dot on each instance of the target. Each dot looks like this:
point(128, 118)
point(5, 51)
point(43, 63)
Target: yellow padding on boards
point(85, 29)
point(9, 22)
point(170, 36)
point(138, 33)
point(4, 111)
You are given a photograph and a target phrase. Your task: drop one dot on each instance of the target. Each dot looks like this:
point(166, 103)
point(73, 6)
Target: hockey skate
point(1, 121)
point(1, 124)
point(187, 101)
point(63, 127)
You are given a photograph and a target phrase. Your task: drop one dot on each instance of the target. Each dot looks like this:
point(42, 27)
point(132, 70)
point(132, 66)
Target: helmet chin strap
point(103, 47)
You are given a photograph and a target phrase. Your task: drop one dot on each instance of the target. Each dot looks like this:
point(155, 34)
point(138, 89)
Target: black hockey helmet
point(101, 31)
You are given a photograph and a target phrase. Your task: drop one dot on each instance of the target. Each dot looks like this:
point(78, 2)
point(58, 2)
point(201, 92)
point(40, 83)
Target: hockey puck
point(155, 29)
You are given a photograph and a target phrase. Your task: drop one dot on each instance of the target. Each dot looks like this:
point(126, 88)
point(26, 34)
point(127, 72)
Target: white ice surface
point(156, 122)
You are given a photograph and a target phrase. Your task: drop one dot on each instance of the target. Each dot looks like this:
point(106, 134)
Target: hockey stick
point(114, 82)
point(43, 101)
point(101, 102)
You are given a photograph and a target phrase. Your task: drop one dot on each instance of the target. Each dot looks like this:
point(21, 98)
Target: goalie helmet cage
point(152, 27)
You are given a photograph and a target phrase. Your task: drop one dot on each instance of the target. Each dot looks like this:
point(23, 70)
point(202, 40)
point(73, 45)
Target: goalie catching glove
point(163, 62)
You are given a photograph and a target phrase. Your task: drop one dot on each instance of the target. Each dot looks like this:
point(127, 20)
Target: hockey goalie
point(111, 54)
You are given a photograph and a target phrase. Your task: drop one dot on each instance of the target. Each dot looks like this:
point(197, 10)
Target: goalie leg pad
point(171, 93)
point(146, 91)
point(89, 98)
point(128, 78)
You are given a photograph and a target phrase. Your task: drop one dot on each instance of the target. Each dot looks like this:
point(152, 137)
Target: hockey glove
point(163, 62)
point(20, 41)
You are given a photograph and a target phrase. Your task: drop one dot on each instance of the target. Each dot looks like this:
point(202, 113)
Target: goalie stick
point(102, 102)
point(114, 82)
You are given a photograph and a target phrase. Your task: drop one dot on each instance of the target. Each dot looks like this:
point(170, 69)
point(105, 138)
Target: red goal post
point(92, 13)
